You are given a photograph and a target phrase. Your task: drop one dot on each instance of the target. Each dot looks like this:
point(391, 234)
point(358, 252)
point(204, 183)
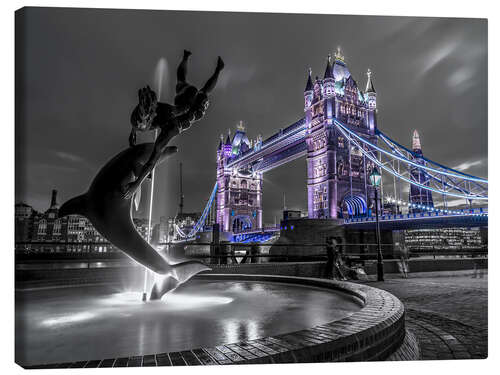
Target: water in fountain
point(95, 322)
point(161, 72)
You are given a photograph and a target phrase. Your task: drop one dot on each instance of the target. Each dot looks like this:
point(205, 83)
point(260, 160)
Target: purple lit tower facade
point(419, 196)
point(337, 185)
point(239, 193)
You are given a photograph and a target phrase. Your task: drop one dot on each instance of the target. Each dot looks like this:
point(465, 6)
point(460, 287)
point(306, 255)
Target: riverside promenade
point(447, 311)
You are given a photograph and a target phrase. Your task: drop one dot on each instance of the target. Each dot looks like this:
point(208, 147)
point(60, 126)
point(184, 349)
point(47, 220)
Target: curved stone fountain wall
point(373, 333)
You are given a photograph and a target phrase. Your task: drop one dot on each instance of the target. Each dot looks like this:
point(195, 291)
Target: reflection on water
point(64, 319)
point(187, 302)
point(71, 324)
point(62, 265)
point(237, 330)
point(169, 302)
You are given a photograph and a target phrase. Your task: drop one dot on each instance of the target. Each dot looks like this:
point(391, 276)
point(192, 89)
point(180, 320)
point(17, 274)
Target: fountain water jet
point(160, 75)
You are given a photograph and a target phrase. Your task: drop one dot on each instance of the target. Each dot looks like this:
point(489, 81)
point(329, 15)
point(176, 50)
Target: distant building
point(423, 240)
point(165, 229)
point(291, 214)
point(47, 232)
point(142, 226)
point(48, 227)
point(23, 224)
point(79, 229)
point(390, 208)
point(187, 220)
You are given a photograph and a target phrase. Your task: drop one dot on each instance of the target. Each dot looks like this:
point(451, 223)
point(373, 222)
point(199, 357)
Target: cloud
point(438, 55)
point(462, 79)
point(468, 164)
point(72, 158)
point(68, 156)
point(59, 168)
point(460, 76)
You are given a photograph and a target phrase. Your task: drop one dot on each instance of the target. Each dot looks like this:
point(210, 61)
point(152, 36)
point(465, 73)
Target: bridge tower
point(419, 196)
point(337, 185)
point(239, 193)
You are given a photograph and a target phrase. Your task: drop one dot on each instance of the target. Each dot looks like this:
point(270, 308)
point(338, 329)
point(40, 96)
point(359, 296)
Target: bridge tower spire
point(328, 79)
point(419, 197)
point(416, 146)
point(371, 98)
point(308, 91)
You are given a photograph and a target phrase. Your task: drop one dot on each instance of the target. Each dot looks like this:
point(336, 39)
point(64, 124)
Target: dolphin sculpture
point(111, 214)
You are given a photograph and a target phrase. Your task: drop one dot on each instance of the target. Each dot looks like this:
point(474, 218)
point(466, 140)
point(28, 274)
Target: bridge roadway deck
point(467, 218)
point(280, 148)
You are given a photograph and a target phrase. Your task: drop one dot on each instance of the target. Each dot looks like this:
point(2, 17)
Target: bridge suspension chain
point(448, 177)
point(201, 221)
point(439, 179)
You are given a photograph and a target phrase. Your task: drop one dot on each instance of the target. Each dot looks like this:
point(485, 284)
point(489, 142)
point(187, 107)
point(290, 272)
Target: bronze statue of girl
point(190, 105)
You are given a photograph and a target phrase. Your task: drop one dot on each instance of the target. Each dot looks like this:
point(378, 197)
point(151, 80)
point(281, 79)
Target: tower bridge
point(342, 143)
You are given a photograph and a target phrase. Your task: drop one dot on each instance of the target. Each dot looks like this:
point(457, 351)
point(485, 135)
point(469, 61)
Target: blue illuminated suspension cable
point(347, 134)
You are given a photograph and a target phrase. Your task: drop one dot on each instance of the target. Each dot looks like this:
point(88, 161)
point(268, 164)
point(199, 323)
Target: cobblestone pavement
point(447, 312)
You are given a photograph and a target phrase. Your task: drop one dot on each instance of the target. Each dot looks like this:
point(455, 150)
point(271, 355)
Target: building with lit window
point(47, 232)
point(426, 240)
point(23, 224)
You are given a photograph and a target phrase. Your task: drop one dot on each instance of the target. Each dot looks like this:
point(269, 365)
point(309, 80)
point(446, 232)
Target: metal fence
point(225, 252)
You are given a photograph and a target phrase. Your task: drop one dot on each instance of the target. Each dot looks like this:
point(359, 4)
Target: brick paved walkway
point(447, 312)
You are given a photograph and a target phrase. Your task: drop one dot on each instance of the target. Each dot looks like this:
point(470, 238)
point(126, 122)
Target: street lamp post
point(375, 179)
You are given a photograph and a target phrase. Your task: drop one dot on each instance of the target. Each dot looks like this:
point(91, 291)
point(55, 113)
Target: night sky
point(78, 72)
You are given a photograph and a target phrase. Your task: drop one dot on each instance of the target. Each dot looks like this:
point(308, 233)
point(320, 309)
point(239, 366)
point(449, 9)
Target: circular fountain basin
point(213, 319)
point(84, 323)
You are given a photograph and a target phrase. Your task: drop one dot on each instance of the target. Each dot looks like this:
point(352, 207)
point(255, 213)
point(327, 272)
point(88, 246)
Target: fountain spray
point(161, 67)
point(151, 192)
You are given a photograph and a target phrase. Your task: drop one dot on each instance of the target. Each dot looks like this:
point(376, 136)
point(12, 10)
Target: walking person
point(478, 271)
point(330, 256)
point(403, 260)
point(338, 262)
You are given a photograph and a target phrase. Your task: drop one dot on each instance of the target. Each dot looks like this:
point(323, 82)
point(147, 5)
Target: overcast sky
point(80, 71)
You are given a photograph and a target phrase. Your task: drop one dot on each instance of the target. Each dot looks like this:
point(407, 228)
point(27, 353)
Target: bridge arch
point(240, 223)
point(353, 206)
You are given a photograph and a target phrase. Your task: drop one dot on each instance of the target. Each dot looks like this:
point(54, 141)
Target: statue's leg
point(182, 71)
point(212, 81)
